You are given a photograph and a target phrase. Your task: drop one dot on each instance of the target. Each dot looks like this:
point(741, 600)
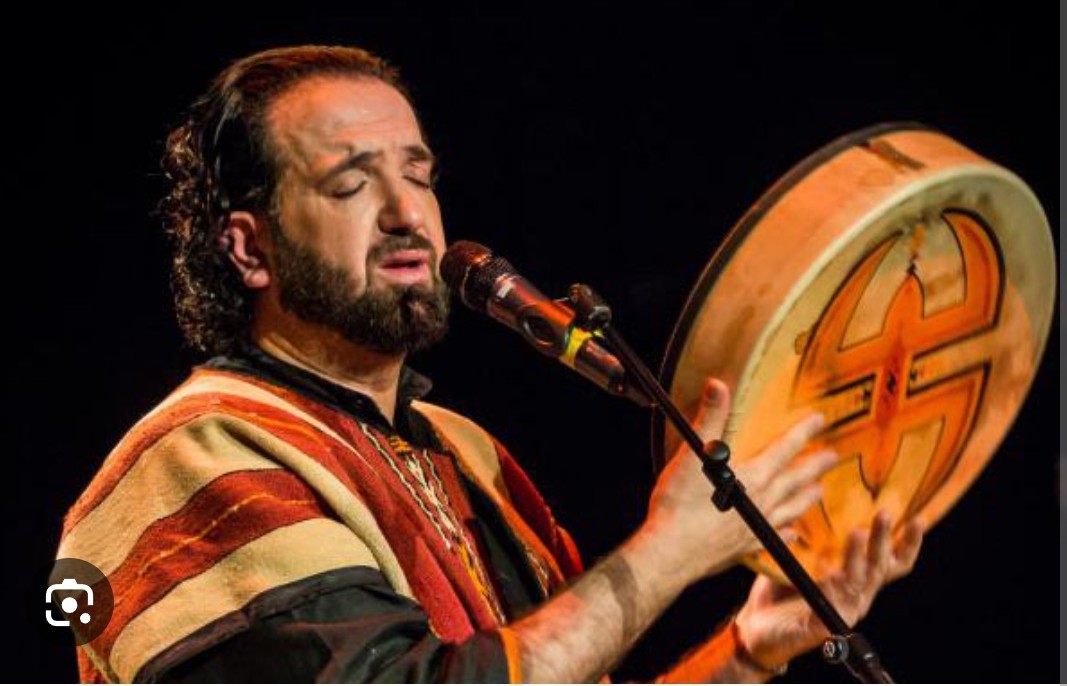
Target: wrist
point(656, 547)
point(744, 655)
point(724, 658)
point(771, 641)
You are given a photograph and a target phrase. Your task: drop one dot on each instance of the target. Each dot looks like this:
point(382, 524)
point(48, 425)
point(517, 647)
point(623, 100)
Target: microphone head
point(471, 270)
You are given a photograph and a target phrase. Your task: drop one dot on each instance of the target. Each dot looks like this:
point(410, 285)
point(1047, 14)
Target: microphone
point(488, 283)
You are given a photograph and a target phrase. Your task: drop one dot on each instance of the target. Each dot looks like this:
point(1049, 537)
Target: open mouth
point(406, 265)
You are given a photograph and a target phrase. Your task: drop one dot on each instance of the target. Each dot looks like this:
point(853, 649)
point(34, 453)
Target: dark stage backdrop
point(617, 150)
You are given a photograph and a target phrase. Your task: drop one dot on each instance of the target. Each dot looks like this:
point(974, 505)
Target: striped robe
point(233, 486)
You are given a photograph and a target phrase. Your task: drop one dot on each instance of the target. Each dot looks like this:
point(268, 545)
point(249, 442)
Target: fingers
point(906, 551)
point(762, 589)
point(870, 561)
point(799, 476)
point(712, 411)
point(893, 562)
point(855, 557)
point(784, 494)
point(788, 533)
point(793, 491)
point(879, 550)
point(779, 453)
point(883, 562)
point(879, 553)
point(795, 505)
point(866, 562)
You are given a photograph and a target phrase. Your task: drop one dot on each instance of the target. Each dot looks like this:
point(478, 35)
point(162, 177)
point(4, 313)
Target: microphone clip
point(591, 312)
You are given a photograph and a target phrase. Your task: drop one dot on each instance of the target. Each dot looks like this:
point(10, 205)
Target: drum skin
point(898, 283)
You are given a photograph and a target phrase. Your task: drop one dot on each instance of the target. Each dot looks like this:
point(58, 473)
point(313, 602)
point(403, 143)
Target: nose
point(402, 211)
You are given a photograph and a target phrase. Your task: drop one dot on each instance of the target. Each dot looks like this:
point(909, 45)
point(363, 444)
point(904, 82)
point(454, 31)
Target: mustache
point(391, 244)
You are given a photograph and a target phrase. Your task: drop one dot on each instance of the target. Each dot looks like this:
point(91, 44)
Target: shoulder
point(226, 444)
point(194, 513)
point(203, 463)
point(209, 428)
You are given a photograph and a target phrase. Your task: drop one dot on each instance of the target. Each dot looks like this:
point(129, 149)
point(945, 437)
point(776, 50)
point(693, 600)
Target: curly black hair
point(220, 160)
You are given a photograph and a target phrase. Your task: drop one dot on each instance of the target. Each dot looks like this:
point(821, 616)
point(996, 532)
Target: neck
point(324, 353)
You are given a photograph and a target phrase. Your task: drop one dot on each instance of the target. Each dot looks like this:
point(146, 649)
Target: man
point(294, 512)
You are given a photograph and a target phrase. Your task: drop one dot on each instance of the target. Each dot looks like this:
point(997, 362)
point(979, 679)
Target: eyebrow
point(415, 153)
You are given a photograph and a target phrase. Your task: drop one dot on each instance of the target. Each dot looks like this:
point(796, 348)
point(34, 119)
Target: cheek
point(338, 234)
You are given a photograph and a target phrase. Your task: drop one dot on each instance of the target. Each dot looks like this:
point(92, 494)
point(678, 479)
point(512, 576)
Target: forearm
point(581, 633)
point(584, 631)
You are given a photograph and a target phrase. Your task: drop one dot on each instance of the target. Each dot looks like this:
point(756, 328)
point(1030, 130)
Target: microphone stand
point(844, 646)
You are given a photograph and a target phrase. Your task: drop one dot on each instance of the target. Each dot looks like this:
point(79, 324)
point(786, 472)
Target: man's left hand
point(775, 624)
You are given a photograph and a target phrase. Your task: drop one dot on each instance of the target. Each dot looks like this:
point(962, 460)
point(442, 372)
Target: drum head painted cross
point(896, 282)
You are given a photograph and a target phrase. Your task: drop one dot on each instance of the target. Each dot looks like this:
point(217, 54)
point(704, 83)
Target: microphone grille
point(470, 270)
point(458, 258)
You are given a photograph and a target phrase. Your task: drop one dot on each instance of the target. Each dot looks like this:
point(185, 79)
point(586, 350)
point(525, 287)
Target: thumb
point(712, 411)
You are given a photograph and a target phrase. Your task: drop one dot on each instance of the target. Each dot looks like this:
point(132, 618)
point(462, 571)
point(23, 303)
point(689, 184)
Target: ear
point(244, 238)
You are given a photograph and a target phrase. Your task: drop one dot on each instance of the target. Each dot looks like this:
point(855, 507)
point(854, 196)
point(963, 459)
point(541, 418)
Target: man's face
point(357, 235)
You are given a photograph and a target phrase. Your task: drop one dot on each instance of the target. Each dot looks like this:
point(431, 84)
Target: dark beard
point(391, 320)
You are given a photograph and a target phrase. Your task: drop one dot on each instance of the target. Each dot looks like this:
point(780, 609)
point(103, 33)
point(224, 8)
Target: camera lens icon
point(69, 604)
point(79, 596)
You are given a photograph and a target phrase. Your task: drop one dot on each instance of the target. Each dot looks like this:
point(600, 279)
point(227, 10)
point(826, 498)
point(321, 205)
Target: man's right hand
point(699, 539)
point(584, 630)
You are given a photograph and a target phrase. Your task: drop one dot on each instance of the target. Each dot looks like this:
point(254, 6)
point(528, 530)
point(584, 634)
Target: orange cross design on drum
point(901, 403)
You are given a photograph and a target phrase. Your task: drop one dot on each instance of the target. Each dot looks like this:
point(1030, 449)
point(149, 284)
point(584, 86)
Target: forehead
point(321, 119)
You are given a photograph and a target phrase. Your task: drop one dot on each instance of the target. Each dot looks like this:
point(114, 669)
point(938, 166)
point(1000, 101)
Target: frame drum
point(898, 283)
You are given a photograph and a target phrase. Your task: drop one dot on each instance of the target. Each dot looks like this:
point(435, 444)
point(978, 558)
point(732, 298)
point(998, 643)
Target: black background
point(612, 148)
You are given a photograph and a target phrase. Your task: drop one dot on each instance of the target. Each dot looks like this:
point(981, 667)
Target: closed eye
point(421, 183)
point(349, 193)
